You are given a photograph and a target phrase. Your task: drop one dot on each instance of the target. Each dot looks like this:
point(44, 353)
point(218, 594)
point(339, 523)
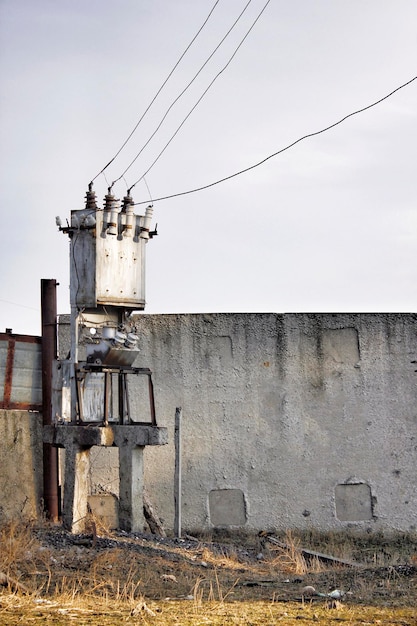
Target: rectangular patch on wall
point(227, 507)
point(341, 345)
point(353, 502)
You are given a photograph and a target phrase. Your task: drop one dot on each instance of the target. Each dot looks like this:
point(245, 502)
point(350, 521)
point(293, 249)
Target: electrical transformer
point(107, 265)
point(107, 283)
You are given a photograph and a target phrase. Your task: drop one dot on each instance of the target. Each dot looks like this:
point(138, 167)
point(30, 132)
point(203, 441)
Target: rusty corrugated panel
point(20, 372)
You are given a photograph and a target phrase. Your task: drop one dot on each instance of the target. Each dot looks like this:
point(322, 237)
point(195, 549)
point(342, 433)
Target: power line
point(202, 96)
point(274, 154)
point(24, 306)
point(159, 90)
point(182, 93)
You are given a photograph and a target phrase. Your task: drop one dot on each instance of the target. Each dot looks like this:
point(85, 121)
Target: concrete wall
point(21, 478)
point(289, 421)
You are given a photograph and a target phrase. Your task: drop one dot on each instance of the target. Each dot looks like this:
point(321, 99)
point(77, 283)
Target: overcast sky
point(329, 225)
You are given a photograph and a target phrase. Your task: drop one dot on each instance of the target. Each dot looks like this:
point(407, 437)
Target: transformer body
point(108, 269)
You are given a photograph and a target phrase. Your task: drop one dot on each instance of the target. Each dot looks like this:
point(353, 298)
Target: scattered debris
point(142, 607)
point(258, 583)
point(152, 518)
point(15, 585)
point(312, 554)
point(170, 577)
point(53, 554)
point(334, 604)
point(309, 591)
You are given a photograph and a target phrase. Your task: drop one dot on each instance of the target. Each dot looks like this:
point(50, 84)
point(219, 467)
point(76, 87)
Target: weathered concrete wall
point(289, 421)
point(21, 464)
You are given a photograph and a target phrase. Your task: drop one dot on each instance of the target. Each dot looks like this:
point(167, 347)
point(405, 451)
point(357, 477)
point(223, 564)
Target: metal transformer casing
point(107, 269)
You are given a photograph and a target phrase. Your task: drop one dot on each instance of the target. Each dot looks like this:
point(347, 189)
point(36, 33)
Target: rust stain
point(8, 376)
point(6, 402)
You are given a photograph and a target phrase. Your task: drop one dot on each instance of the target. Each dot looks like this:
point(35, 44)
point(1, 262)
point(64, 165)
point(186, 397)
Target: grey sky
point(329, 225)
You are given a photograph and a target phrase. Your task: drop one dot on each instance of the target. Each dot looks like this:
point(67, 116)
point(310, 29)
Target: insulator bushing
point(90, 199)
point(127, 201)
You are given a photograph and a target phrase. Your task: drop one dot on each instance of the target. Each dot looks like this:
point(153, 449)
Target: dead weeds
point(210, 579)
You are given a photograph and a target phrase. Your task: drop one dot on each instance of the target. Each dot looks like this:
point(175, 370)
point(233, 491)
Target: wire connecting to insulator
point(90, 198)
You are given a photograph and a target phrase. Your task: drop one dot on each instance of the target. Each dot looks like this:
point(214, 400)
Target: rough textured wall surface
point(289, 421)
point(21, 464)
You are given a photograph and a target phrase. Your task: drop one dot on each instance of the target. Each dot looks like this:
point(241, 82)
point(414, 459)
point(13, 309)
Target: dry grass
point(377, 549)
point(225, 559)
point(210, 590)
point(137, 580)
point(17, 544)
point(17, 610)
point(290, 559)
point(19, 549)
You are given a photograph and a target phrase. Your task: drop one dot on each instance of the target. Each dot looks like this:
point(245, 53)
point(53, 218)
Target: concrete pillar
point(77, 466)
point(131, 517)
point(78, 441)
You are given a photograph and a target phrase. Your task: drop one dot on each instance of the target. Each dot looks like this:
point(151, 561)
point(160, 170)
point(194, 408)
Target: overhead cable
point(202, 96)
point(159, 90)
point(183, 92)
point(24, 306)
point(251, 167)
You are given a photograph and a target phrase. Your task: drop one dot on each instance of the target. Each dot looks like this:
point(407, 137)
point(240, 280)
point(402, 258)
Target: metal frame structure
point(122, 372)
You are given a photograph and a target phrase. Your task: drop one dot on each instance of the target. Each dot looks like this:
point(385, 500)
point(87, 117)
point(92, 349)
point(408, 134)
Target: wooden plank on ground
point(311, 553)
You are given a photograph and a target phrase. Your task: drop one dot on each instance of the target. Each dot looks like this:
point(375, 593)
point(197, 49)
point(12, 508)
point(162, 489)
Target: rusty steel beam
point(20, 338)
point(49, 352)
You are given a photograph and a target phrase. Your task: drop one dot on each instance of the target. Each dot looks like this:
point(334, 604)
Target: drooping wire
point(159, 91)
point(149, 191)
point(201, 97)
point(251, 167)
point(183, 92)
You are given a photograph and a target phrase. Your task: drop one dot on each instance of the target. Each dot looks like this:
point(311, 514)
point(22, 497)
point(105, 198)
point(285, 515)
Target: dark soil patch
point(236, 565)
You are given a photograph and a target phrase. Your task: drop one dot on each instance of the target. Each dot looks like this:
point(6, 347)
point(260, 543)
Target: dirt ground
point(44, 561)
point(244, 566)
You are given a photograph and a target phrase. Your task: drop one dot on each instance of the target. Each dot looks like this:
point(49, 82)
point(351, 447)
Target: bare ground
point(44, 562)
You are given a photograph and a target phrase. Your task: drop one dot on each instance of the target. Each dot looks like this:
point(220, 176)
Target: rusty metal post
point(49, 353)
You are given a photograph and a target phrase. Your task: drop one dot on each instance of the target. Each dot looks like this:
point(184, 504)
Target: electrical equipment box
point(107, 260)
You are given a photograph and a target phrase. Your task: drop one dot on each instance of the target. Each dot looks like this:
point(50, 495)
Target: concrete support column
point(78, 441)
point(131, 517)
point(77, 468)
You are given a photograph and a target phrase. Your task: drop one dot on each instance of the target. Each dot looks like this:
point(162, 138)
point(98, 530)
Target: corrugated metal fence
point(20, 372)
